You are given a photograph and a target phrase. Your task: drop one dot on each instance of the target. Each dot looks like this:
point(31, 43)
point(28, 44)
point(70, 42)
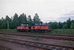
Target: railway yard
point(19, 41)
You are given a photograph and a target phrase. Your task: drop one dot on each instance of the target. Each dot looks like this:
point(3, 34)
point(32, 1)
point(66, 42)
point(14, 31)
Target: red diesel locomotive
point(42, 28)
point(23, 28)
point(35, 28)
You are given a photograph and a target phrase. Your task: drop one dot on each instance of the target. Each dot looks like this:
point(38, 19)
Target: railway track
point(4, 48)
point(57, 37)
point(35, 44)
point(40, 41)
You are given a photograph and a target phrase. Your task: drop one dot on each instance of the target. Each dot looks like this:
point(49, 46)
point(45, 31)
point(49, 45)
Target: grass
point(62, 31)
point(53, 32)
point(8, 30)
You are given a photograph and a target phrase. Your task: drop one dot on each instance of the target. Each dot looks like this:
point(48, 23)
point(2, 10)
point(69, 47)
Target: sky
point(48, 10)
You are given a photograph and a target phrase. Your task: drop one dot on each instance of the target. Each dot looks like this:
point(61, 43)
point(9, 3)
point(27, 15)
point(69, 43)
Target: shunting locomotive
point(34, 28)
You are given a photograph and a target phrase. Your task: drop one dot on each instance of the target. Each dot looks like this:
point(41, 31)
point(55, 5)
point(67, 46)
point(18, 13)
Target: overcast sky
point(48, 10)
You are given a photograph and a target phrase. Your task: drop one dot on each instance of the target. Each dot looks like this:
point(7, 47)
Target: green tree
point(3, 24)
point(65, 26)
point(8, 21)
point(68, 23)
point(30, 22)
point(60, 25)
point(0, 23)
point(53, 25)
point(22, 19)
point(72, 25)
point(15, 20)
point(36, 19)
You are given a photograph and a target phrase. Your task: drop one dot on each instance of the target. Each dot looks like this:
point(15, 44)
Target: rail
point(35, 44)
point(70, 38)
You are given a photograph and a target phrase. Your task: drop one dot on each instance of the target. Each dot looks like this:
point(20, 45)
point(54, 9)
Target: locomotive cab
point(23, 27)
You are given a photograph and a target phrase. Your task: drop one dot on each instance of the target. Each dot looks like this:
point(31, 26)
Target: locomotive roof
point(40, 25)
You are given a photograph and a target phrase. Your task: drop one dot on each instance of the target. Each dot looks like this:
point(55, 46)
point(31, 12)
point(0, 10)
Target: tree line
point(12, 23)
point(69, 24)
